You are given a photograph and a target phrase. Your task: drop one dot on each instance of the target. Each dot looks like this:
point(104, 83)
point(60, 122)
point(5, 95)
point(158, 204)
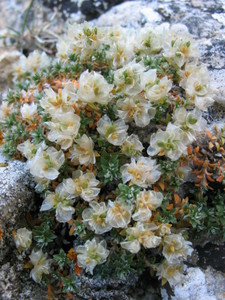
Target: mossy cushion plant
point(107, 128)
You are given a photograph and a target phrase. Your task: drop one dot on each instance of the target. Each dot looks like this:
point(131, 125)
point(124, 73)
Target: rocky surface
point(198, 284)
point(90, 9)
point(16, 198)
point(15, 283)
point(206, 21)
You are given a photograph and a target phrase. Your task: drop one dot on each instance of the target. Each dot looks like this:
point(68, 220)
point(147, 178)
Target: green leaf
point(26, 17)
point(38, 135)
point(109, 168)
point(128, 193)
point(43, 235)
point(85, 121)
point(61, 259)
point(69, 284)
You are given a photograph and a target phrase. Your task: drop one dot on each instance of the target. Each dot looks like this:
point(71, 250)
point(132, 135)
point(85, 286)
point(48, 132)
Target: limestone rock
point(198, 284)
point(16, 198)
point(16, 284)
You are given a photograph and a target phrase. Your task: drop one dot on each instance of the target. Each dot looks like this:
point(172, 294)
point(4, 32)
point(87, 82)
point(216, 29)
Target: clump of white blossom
point(116, 99)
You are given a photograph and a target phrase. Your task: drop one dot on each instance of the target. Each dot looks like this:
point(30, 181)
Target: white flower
point(148, 79)
point(191, 122)
point(141, 234)
point(180, 48)
point(189, 69)
point(119, 214)
point(28, 110)
point(143, 171)
point(164, 229)
point(64, 212)
point(127, 79)
point(58, 201)
point(63, 101)
point(137, 109)
point(114, 131)
point(41, 184)
point(46, 163)
point(120, 53)
point(23, 238)
point(63, 47)
point(64, 128)
point(147, 201)
point(173, 273)
point(176, 247)
point(84, 39)
point(41, 265)
point(132, 146)
point(158, 90)
point(83, 185)
point(198, 88)
point(170, 142)
point(147, 41)
point(33, 63)
point(91, 254)
point(93, 88)
point(5, 110)
point(28, 149)
point(83, 151)
point(95, 217)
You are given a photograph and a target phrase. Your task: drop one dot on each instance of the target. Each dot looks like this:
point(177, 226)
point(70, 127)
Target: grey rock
point(16, 198)
point(108, 288)
point(198, 284)
point(131, 14)
point(15, 283)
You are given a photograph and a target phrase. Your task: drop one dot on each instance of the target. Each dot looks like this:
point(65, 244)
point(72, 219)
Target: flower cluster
point(105, 128)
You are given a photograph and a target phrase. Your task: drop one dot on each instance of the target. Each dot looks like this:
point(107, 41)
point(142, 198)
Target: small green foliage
point(158, 63)
point(207, 214)
point(16, 132)
point(109, 75)
point(38, 135)
point(195, 215)
point(57, 68)
point(73, 57)
point(109, 110)
point(166, 216)
point(43, 235)
point(161, 116)
point(89, 33)
point(85, 121)
point(36, 78)
point(8, 150)
point(69, 284)
point(121, 265)
point(128, 193)
point(13, 96)
point(23, 84)
point(100, 55)
point(10, 121)
point(109, 168)
point(174, 71)
point(61, 259)
point(79, 229)
point(168, 165)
